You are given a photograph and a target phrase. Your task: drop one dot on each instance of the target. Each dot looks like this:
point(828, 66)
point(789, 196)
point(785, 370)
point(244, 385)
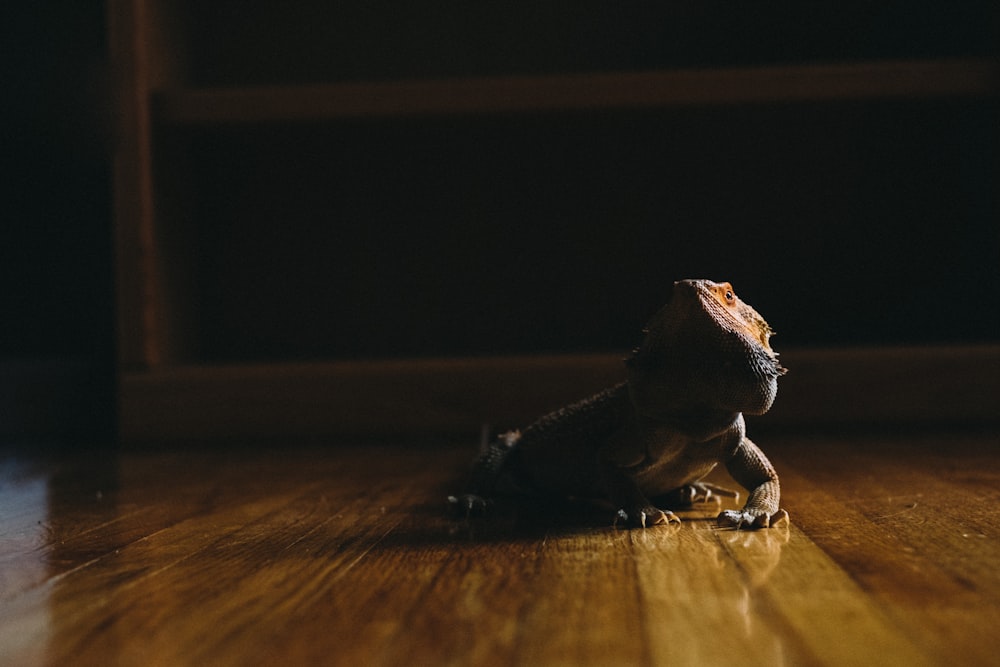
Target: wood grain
point(299, 554)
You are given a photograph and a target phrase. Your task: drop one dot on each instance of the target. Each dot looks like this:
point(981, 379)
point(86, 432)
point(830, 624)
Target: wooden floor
point(345, 555)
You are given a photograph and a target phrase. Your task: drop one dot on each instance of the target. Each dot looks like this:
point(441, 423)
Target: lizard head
point(720, 299)
point(705, 349)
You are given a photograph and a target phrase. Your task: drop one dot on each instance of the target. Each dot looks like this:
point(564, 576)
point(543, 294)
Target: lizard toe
point(468, 504)
point(698, 493)
point(646, 517)
point(751, 519)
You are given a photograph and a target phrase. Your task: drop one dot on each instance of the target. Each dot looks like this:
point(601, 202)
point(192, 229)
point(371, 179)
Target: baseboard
point(829, 387)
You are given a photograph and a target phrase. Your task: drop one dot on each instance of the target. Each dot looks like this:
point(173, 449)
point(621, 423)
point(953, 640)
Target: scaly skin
point(646, 444)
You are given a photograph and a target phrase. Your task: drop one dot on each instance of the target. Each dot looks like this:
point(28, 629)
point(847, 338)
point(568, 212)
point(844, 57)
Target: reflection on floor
point(346, 555)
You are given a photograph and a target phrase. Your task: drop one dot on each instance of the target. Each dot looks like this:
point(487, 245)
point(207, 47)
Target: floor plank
point(299, 554)
point(913, 521)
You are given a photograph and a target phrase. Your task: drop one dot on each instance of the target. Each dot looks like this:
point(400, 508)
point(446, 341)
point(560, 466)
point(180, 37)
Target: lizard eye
point(730, 297)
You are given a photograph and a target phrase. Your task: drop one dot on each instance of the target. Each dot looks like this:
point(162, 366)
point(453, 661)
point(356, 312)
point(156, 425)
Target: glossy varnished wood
point(344, 555)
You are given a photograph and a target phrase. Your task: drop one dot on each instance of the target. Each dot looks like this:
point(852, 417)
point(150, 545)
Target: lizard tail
point(485, 474)
point(490, 463)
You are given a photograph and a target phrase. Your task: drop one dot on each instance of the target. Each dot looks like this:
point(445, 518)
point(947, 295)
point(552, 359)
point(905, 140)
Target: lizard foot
point(751, 519)
point(468, 504)
point(699, 492)
point(645, 517)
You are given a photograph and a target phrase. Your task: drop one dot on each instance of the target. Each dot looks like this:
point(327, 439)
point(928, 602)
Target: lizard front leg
point(750, 468)
point(632, 506)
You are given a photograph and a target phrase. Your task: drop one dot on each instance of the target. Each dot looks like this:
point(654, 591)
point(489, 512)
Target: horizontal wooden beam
point(837, 387)
point(625, 90)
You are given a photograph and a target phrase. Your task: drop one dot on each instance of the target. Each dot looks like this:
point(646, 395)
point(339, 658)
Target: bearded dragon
point(646, 444)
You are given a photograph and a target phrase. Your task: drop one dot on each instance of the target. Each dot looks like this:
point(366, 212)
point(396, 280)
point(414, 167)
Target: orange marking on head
point(748, 319)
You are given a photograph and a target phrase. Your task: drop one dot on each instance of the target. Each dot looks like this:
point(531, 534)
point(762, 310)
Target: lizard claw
point(703, 492)
point(646, 517)
point(751, 519)
point(698, 492)
point(471, 504)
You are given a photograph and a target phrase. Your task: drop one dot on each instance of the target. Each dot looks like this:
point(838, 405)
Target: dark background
point(56, 299)
point(56, 238)
point(845, 224)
